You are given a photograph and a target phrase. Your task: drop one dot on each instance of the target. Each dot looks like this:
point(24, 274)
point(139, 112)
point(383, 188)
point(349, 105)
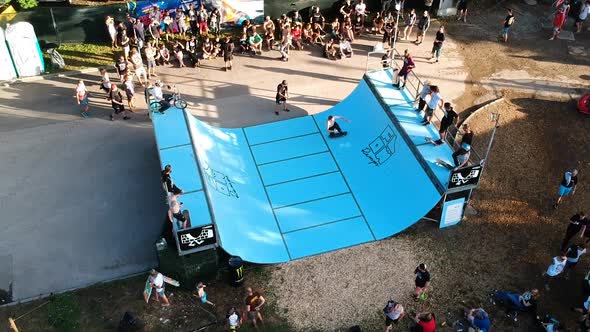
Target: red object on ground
point(584, 104)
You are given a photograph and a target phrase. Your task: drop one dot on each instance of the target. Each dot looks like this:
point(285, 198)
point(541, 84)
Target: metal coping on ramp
point(286, 190)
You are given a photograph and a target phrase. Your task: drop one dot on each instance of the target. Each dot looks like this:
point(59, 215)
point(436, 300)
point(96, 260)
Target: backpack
point(390, 304)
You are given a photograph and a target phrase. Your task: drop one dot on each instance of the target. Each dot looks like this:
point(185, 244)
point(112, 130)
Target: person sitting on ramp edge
point(333, 126)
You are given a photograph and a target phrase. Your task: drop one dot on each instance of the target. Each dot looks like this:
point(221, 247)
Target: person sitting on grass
point(330, 50)
point(255, 42)
point(479, 320)
point(296, 37)
point(345, 48)
point(207, 50)
point(163, 56)
point(192, 50)
point(307, 34)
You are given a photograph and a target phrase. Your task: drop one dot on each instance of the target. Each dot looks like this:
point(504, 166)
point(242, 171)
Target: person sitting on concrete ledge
point(168, 183)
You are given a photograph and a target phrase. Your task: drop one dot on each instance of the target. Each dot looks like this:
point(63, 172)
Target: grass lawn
point(79, 56)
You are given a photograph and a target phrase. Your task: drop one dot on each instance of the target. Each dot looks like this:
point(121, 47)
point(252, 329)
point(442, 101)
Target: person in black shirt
point(568, 185)
point(508, 21)
point(438, 43)
point(192, 49)
point(317, 17)
point(462, 10)
point(467, 137)
point(228, 53)
point(346, 10)
point(282, 96)
point(577, 222)
point(451, 117)
point(422, 280)
point(122, 67)
point(388, 31)
point(168, 183)
point(116, 99)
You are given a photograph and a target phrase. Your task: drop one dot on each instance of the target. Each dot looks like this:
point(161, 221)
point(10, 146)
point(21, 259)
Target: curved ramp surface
point(286, 190)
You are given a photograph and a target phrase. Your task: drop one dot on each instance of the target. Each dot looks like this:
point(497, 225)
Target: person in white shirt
point(555, 269)
point(345, 48)
point(582, 16)
point(394, 313)
point(157, 282)
point(105, 82)
point(82, 97)
point(435, 102)
point(421, 99)
point(361, 10)
point(234, 320)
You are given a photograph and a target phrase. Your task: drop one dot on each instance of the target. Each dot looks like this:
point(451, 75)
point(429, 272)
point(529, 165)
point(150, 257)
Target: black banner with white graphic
point(194, 238)
point(465, 178)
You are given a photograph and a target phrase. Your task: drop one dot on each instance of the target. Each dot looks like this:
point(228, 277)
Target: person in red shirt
point(405, 70)
point(296, 34)
point(425, 322)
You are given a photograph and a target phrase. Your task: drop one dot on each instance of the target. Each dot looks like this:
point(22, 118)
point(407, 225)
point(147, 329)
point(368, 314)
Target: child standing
point(202, 294)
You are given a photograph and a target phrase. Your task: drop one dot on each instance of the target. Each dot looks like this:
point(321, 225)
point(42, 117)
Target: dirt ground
point(507, 245)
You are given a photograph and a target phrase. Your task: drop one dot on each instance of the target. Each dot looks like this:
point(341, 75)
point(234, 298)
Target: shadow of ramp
point(5, 278)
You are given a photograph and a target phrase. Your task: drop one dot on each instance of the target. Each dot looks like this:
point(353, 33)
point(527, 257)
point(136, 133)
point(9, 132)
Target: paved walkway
point(81, 198)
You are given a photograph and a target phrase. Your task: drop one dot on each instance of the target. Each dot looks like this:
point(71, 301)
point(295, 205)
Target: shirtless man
point(333, 126)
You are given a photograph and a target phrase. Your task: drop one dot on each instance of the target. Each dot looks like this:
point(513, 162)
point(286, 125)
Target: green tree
point(22, 4)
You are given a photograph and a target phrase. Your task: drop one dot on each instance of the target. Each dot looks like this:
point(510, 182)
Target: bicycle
point(171, 100)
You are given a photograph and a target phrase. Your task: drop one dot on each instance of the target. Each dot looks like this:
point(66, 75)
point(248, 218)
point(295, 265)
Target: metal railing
point(414, 85)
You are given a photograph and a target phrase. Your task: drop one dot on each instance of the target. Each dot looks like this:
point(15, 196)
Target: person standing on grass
point(582, 16)
point(157, 282)
point(438, 43)
point(423, 25)
point(125, 44)
point(451, 118)
point(554, 269)
point(422, 281)
point(394, 312)
point(228, 53)
point(82, 98)
point(234, 319)
point(410, 22)
point(425, 322)
point(202, 294)
point(462, 10)
point(116, 99)
point(567, 186)
point(578, 222)
point(508, 22)
point(573, 254)
point(281, 97)
point(435, 101)
point(110, 22)
point(421, 99)
point(254, 302)
point(404, 71)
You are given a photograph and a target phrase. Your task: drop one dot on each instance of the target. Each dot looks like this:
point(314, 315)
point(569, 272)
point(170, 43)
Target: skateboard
point(336, 135)
point(147, 290)
point(431, 141)
point(85, 115)
point(171, 281)
point(444, 164)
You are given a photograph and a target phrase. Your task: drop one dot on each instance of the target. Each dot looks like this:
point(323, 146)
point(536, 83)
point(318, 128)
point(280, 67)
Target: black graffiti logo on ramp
point(381, 148)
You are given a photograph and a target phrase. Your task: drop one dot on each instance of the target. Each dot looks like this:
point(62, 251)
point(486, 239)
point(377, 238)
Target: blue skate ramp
point(285, 190)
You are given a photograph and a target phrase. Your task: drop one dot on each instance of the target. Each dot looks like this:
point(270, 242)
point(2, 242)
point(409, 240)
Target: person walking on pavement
point(82, 98)
point(438, 43)
point(116, 99)
point(254, 302)
point(577, 223)
point(568, 185)
point(282, 96)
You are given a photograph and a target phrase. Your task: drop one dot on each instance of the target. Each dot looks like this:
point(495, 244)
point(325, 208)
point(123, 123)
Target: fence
point(68, 24)
point(414, 85)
